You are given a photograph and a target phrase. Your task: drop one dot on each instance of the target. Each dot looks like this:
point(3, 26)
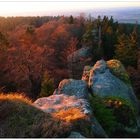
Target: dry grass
point(15, 96)
point(18, 118)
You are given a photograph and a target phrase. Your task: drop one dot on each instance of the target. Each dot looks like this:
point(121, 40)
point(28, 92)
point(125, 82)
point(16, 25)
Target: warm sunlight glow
point(15, 96)
point(36, 8)
point(69, 115)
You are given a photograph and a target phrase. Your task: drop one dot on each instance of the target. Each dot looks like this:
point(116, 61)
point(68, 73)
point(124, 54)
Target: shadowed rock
point(77, 61)
point(75, 135)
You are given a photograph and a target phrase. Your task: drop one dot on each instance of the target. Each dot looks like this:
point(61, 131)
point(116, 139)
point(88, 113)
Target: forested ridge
point(34, 50)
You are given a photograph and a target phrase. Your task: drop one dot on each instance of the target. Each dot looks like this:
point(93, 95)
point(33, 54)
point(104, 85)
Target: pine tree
point(127, 48)
point(71, 20)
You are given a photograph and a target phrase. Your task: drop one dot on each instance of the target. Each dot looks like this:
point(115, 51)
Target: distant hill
point(122, 15)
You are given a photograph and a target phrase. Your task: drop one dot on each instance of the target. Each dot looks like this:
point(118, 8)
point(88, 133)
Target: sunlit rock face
point(56, 103)
point(103, 83)
point(68, 109)
point(86, 73)
point(72, 100)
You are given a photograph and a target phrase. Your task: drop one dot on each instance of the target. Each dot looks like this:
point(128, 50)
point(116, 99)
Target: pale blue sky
point(34, 7)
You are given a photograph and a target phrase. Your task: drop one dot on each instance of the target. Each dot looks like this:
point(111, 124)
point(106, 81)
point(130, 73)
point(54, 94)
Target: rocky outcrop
point(77, 61)
point(73, 87)
point(103, 83)
point(71, 101)
point(118, 70)
point(110, 81)
point(56, 103)
point(72, 94)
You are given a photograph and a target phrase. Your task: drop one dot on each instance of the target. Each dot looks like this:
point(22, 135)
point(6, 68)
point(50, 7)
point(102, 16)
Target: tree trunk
point(35, 87)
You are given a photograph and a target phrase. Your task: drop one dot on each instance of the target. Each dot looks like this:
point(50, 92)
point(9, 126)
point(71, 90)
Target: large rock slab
point(57, 103)
point(73, 87)
point(118, 70)
point(105, 84)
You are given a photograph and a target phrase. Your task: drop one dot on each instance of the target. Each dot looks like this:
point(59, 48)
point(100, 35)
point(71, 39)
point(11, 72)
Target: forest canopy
point(34, 50)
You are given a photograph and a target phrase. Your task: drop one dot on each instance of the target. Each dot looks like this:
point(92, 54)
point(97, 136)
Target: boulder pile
point(110, 82)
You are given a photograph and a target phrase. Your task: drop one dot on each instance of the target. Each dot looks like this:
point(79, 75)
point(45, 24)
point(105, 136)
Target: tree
point(88, 37)
point(71, 20)
point(126, 50)
point(71, 47)
point(27, 65)
point(109, 37)
point(30, 60)
point(47, 86)
point(4, 44)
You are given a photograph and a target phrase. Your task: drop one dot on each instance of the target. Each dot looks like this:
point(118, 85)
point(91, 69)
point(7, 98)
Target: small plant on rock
point(103, 114)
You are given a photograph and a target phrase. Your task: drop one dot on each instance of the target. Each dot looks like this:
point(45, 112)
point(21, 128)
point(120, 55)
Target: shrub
point(20, 119)
point(125, 115)
point(47, 87)
point(123, 110)
point(116, 115)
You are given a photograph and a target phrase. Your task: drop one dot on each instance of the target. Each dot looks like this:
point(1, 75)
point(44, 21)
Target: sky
point(37, 8)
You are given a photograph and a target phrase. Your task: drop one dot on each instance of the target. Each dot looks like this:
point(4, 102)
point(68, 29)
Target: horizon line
point(68, 1)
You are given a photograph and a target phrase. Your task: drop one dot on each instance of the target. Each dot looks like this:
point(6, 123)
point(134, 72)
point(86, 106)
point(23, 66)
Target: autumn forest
point(34, 50)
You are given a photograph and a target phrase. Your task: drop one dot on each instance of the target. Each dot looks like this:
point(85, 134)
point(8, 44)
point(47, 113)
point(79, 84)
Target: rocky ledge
point(74, 101)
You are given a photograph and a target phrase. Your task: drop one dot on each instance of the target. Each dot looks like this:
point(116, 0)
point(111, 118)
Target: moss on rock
point(116, 115)
point(118, 70)
point(103, 114)
point(123, 110)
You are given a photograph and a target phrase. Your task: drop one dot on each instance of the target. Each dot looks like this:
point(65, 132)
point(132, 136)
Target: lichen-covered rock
point(68, 109)
point(105, 84)
point(75, 110)
point(117, 69)
point(73, 87)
